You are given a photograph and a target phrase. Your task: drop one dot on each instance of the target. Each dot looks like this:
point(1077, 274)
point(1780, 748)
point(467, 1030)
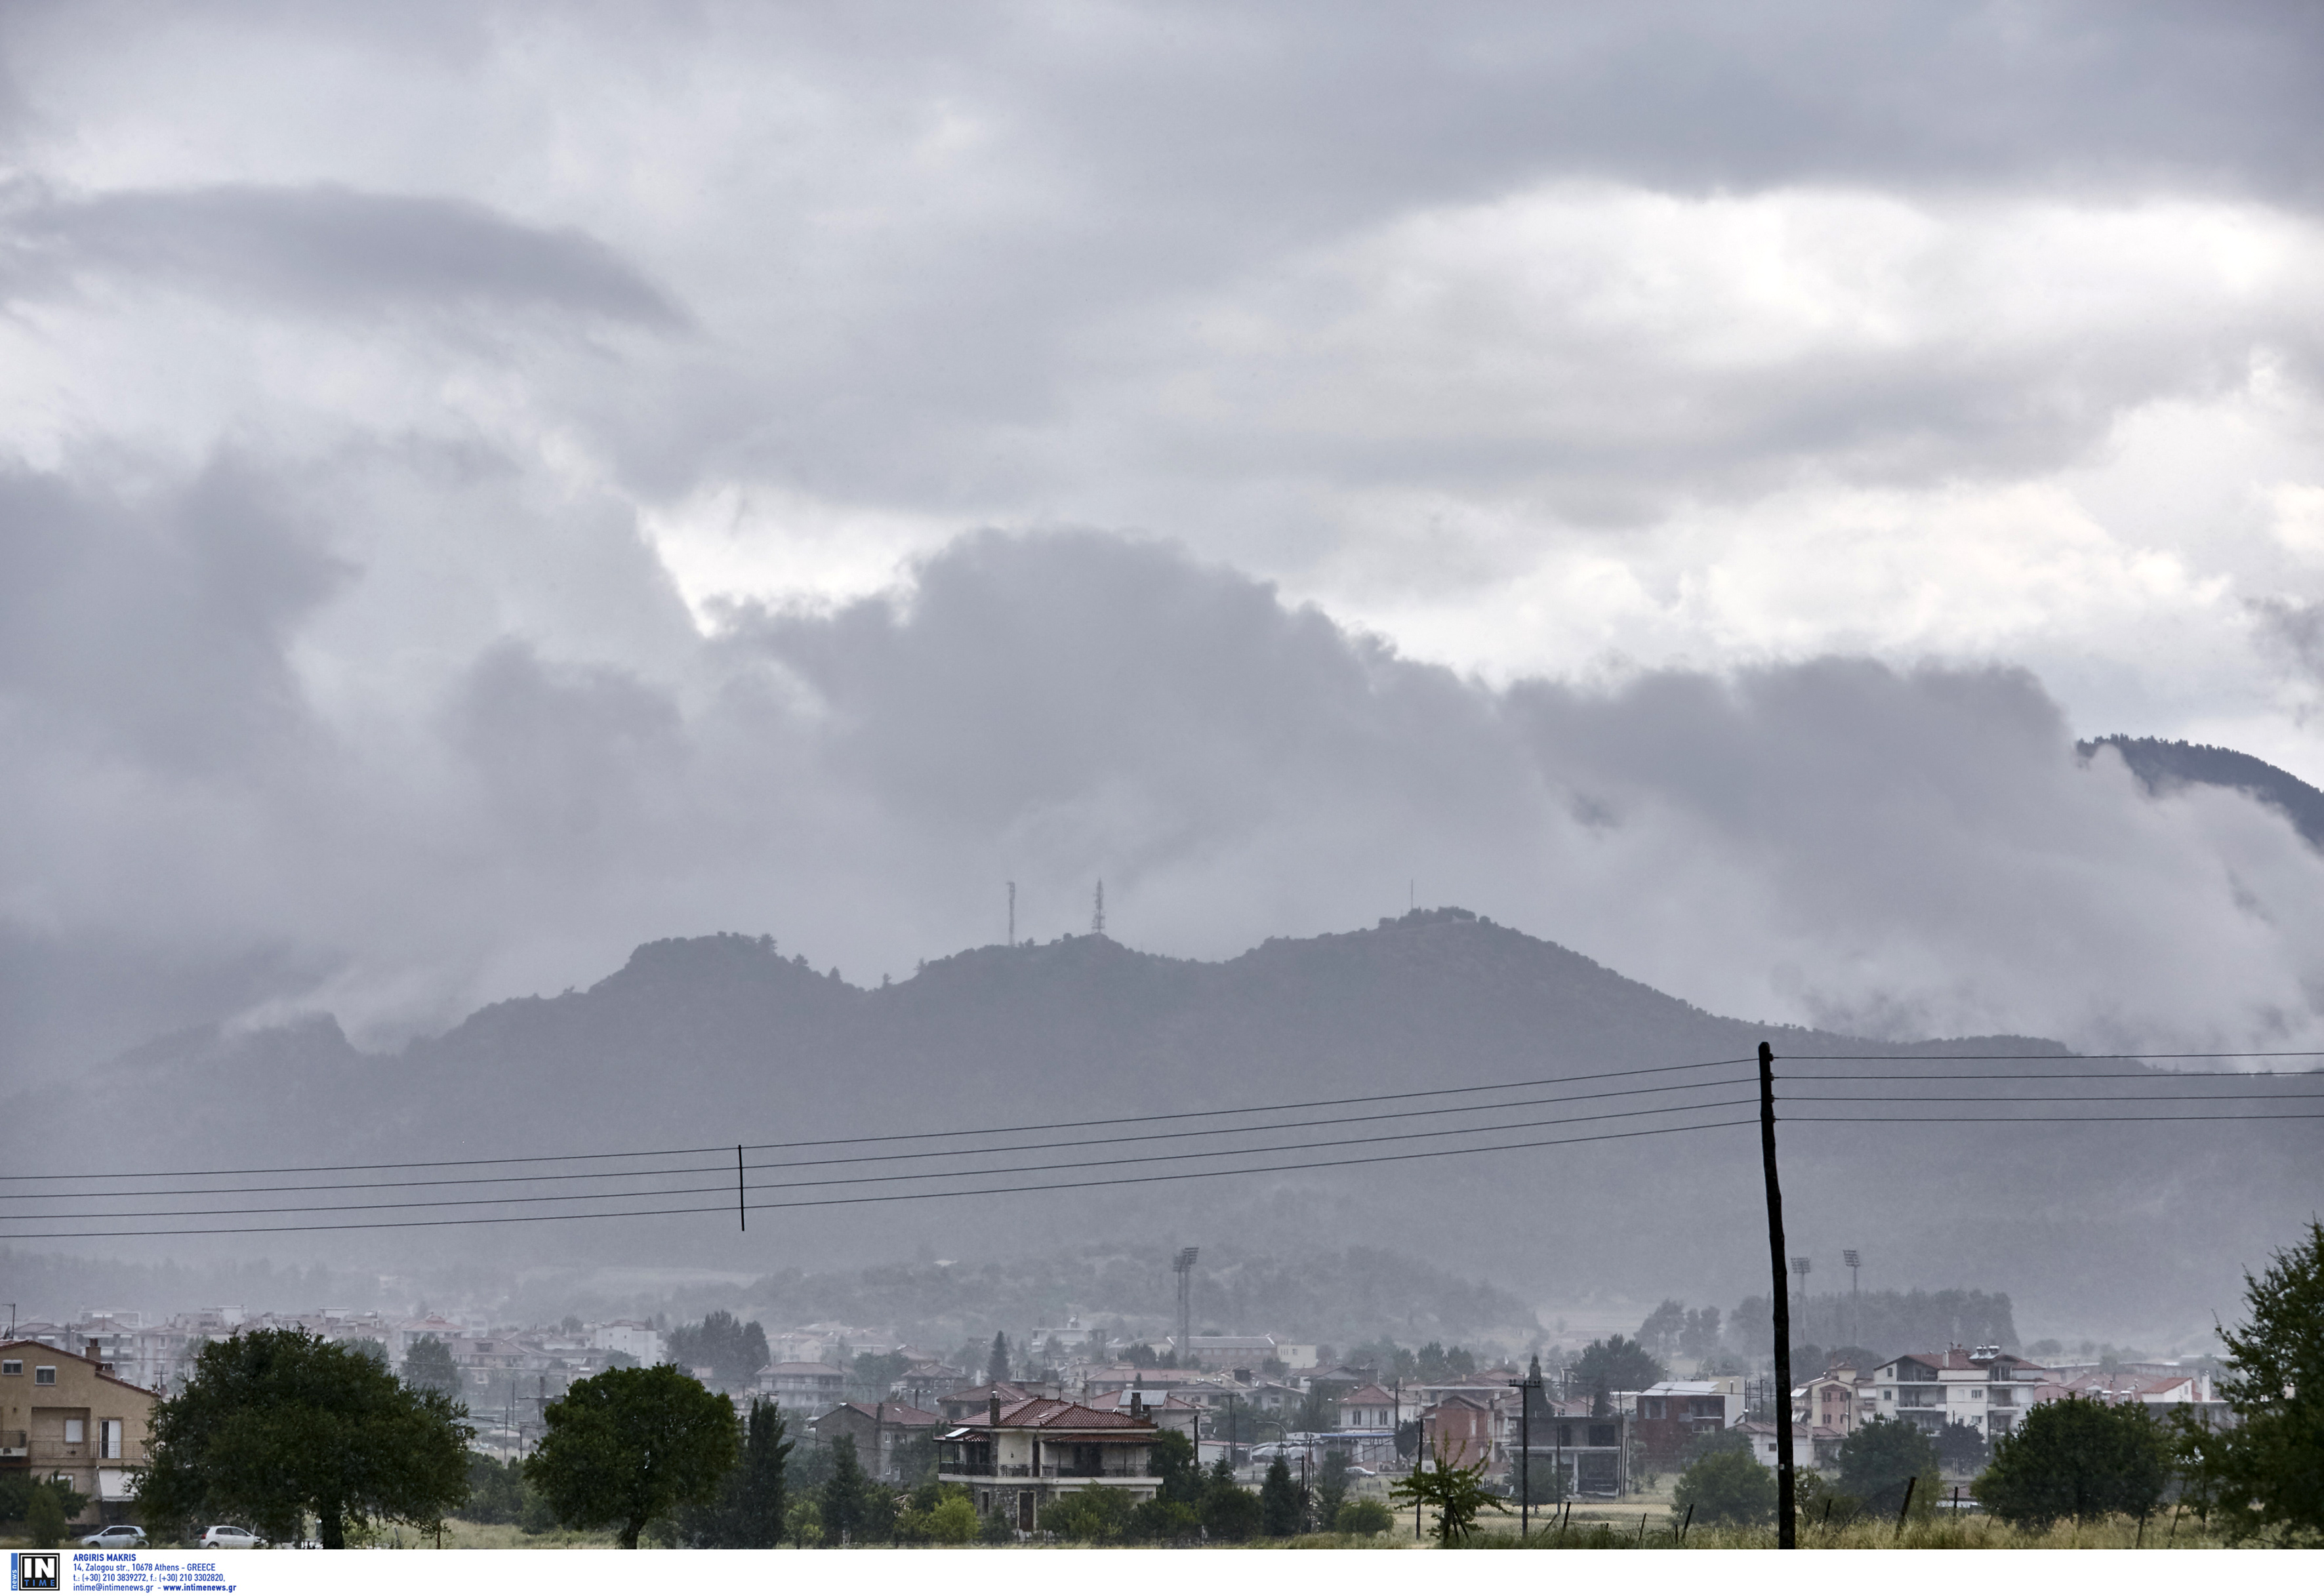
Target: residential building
point(631, 1337)
point(1230, 1351)
point(1460, 1430)
point(2161, 1395)
point(1813, 1446)
point(64, 1417)
point(1670, 1415)
point(1372, 1408)
point(878, 1430)
point(958, 1407)
point(1017, 1458)
point(1988, 1389)
point(814, 1386)
point(1837, 1399)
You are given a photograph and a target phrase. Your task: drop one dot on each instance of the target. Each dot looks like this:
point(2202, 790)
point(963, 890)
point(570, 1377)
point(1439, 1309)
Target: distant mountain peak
point(2164, 767)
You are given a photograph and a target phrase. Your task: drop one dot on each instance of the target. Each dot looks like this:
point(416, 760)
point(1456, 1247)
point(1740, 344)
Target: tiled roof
point(1367, 1397)
point(902, 1414)
point(1049, 1412)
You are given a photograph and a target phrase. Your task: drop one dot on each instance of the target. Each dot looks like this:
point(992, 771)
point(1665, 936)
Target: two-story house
point(878, 1429)
point(1017, 1458)
point(64, 1417)
point(1670, 1415)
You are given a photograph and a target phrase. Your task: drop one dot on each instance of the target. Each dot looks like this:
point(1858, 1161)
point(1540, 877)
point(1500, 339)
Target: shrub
point(1364, 1516)
point(1726, 1488)
point(2076, 1459)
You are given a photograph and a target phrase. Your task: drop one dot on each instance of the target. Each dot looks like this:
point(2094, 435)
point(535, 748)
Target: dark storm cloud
point(330, 248)
point(1836, 840)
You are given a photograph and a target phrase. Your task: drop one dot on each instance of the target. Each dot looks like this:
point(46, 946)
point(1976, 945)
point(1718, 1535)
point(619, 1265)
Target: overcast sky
point(482, 485)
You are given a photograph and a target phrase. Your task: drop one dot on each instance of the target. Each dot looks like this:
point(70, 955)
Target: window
point(76, 1431)
point(13, 1366)
point(44, 1374)
point(108, 1437)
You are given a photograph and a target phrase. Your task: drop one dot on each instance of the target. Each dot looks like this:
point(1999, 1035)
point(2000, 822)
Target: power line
point(883, 1196)
point(924, 1176)
point(898, 1135)
point(474, 1180)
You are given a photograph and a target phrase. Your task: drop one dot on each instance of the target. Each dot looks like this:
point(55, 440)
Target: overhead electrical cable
point(918, 1174)
point(1661, 1069)
point(885, 1196)
point(472, 1180)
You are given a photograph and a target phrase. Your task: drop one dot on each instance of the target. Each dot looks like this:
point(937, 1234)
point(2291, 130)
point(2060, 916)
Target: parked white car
point(230, 1538)
point(115, 1536)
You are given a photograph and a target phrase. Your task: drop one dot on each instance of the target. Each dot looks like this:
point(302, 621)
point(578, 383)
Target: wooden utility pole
point(1787, 1529)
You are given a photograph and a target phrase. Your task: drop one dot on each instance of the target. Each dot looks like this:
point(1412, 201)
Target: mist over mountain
point(2164, 767)
point(2143, 1226)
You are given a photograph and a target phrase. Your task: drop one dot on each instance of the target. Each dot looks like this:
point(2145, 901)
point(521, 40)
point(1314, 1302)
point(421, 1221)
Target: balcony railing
point(1048, 1471)
point(14, 1443)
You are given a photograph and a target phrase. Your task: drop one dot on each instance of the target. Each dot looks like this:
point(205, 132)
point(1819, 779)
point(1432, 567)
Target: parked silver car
point(230, 1538)
point(115, 1536)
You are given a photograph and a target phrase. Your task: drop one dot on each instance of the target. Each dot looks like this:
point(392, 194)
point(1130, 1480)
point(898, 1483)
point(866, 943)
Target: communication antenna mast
point(1097, 918)
point(1012, 914)
point(1185, 1265)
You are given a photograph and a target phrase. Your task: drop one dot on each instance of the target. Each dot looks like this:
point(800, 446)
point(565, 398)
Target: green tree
point(1282, 1505)
point(1877, 1460)
point(427, 1366)
point(1229, 1512)
point(1096, 1515)
point(44, 1519)
point(2077, 1458)
point(1331, 1487)
point(496, 1491)
point(846, 1496)
point(1961, 1448)
point(277, 1424)
point(1726, 1488)
point(2263, 1480)
point(1459, 1495)
point(732, 1351)
point(1172, 1459)
point(633, 1445)
point(1615, 1364)
point(804, 1523)
point(996, 1366)
point(1363, 1516)
point(16, 1489)
point(752, 1504)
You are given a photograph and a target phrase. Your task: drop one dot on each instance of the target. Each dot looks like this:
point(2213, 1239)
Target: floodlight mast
point(1185, 1265)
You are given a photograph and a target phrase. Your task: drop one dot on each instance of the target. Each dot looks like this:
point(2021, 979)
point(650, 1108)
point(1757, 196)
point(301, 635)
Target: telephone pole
point(1787, 1529)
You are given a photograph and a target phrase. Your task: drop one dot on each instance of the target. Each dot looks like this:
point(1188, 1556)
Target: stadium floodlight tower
point(1800, 1266)
point(1185, 1265)
point(1853, 1260)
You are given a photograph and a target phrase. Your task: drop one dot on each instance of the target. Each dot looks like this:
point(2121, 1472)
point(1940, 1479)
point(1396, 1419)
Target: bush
point(1364, 1516)
point(952, 1522)
point(1880, 1460)
point(44, 1519)
point(1098, 1515)
point(1726, 1488)
point(1162, 1522)
point(2076, 1459)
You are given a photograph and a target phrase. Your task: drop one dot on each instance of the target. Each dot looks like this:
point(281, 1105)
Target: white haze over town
point(485, 486)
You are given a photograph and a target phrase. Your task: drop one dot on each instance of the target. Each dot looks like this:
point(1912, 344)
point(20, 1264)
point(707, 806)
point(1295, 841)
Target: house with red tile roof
point(1019, 1457)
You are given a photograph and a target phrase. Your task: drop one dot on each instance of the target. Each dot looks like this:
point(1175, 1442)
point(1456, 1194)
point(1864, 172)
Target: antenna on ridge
point(1097, 918)
point(1012, 914)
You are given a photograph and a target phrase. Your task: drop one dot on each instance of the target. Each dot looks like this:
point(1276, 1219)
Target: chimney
point(993, 1414)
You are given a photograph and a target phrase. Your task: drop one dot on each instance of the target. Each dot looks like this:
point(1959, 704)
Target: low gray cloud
point(1836, 840)
point(328, 248)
